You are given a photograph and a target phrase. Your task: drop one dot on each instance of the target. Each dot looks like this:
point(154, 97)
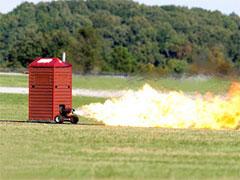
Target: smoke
point(148, 107)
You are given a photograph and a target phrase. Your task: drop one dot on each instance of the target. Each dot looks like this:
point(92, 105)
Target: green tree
point(87, 50)
point(122, 60)
point(95, 32)
point(177, 66)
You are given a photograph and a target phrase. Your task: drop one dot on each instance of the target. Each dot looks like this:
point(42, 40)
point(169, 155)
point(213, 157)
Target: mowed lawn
point(52, 151)
point(15, 106)
point(192, 84)
point(48, 151)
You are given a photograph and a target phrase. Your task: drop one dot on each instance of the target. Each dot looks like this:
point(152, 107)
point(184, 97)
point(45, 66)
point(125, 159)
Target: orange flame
point(150, 108)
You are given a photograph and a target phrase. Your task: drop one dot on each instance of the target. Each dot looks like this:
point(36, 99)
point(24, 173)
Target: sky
point(225, 6)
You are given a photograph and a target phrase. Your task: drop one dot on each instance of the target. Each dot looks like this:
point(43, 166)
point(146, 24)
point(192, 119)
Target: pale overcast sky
point(225, 6)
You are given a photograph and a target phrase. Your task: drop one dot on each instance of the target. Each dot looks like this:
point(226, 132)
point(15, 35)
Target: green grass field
point(43, 151)
point(15, 106)
point(51, 151)
point(13, 81)
point(214, 84)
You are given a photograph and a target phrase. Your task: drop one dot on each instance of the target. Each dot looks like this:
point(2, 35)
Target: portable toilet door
point(50, 86)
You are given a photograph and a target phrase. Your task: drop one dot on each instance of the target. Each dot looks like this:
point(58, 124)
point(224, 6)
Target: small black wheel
point(74, 119)
point(59, 119)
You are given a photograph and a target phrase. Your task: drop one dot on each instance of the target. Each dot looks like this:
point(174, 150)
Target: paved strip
point(14, 90)
point(97, 93)
point(75, 92)
point(13, 74)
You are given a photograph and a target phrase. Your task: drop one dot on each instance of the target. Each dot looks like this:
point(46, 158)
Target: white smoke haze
point(151, 108)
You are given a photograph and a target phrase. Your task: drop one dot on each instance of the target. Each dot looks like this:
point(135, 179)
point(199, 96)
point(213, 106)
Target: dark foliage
point(121, 36)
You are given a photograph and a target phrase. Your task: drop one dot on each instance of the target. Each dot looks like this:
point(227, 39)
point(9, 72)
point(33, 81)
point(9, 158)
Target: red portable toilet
point(50, 89)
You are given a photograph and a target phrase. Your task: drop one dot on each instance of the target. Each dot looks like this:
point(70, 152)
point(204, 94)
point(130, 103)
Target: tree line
point(121, 36)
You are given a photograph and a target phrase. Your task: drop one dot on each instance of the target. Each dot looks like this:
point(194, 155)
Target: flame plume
point(150, 108)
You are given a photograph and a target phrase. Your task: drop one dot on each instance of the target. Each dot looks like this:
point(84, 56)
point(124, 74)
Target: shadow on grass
point(45, 122)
